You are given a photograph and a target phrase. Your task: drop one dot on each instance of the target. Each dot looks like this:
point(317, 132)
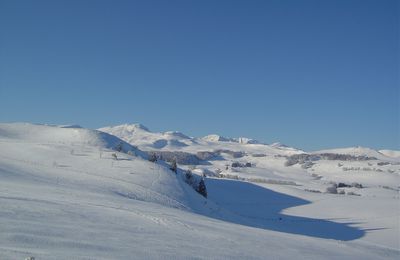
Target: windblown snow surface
point(64, 196)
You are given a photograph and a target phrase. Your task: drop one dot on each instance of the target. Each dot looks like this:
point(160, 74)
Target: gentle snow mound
point(390, 153)
point(33, 133)
point(356, 151)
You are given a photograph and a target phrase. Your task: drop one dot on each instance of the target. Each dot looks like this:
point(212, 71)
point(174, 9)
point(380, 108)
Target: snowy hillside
point(141, 136)
point(363, 151)
point(65, 195)
point(390, 153)
point(358, 177)
point(67, 135)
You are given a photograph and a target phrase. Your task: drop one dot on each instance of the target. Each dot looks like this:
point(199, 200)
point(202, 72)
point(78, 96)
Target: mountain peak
point(127, 128)
point(136, 126)
point(176, 134)
point(216, 138)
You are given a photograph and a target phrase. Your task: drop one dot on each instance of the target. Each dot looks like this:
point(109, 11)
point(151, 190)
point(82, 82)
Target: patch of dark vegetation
point(206, 155)
point(196, 182)
point(240, 165)
point(256, 180)
point(307, 159)
point(259, 155)
point(333, 188)
point(314, 191)
point(383, 163)
point(179, 157)
point(234, 154)
point(185, 158)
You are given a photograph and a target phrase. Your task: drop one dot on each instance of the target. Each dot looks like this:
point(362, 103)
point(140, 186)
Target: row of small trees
point(190, 179)
point(199, 186)
point(173, 167)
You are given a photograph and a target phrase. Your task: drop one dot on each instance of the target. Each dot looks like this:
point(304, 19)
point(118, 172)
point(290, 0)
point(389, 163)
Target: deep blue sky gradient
point(311, 74)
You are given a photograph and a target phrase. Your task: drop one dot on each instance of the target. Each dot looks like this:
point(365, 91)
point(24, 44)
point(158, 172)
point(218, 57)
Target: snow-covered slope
point(390, 153)
point(357, 151)
point(69, 135)
point(63, 196)
point(356, 172)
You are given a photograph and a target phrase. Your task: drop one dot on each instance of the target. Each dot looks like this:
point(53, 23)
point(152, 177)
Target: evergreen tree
point(174, 166)
point(153, 157)
point(189, 177)
point(118, 147)
point(202, 188)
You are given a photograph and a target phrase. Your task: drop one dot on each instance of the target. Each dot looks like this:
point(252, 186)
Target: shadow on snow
point(260, 207)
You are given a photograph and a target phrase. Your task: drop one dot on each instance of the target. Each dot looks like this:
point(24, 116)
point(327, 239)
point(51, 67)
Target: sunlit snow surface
point(62, 196)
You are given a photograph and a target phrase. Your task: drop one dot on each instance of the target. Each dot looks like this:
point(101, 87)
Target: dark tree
point(202, 188)
point(153, 157)
point(174, 167)
point(189, 177)
point(118, 147)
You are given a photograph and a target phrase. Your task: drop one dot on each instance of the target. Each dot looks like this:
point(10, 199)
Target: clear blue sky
point(311, 74)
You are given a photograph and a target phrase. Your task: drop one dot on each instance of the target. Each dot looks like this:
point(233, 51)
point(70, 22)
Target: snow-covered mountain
point(216, 138)
point(390, 153)
point(360, 151)
point(216, 155)
point(143, 138)
point(75, 193)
